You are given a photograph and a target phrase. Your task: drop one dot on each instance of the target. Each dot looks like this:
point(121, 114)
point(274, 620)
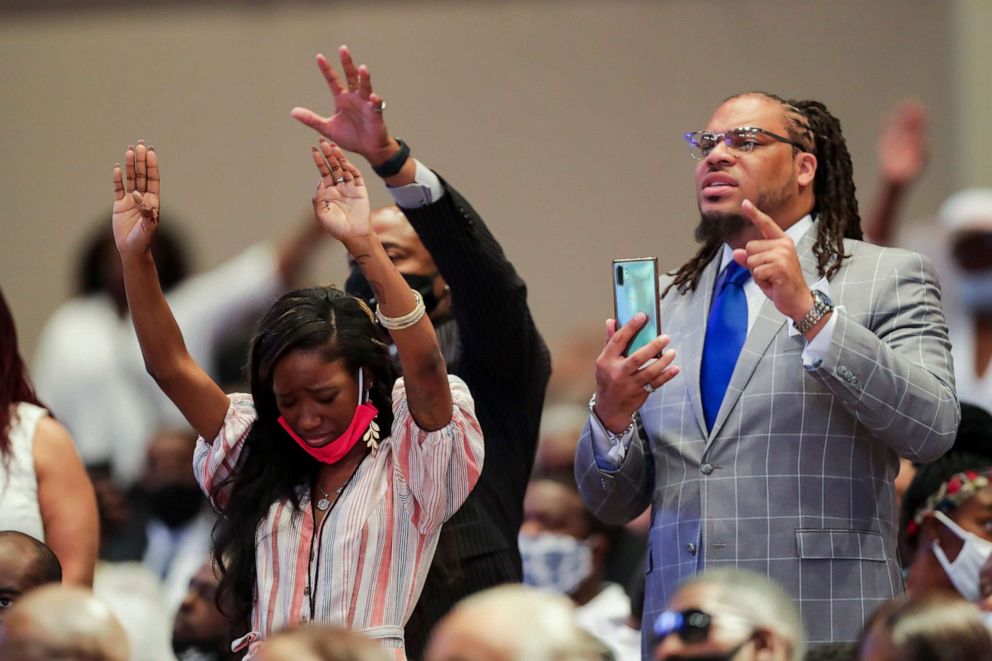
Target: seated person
point(935, 627)
point(201, 631)
point(947, 511)
point(320, 643)
point(564, 549)
point(25, 564)
point(730, 613)
point(62, 622)
point(513, 622)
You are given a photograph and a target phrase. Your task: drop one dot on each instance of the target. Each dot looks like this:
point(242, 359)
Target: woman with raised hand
point(332, 477)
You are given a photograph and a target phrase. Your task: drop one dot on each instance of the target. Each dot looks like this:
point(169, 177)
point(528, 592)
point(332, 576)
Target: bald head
point(63, 622)
point(25, 564)
point(321, 643)
point(511, 623)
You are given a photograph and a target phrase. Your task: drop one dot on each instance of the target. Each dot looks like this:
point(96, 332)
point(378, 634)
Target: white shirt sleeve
point(609, 452)
point(425, 189)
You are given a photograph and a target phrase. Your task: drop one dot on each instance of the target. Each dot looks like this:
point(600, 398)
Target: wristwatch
point(822, 306)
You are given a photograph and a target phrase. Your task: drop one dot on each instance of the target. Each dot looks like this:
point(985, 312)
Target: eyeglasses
point(739, 141)
point(692, 626)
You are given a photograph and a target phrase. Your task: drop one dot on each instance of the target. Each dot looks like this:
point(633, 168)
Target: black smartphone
point(635, 289)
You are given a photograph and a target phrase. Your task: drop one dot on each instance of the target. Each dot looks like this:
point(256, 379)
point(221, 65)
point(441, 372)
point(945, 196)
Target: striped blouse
point(375, 546)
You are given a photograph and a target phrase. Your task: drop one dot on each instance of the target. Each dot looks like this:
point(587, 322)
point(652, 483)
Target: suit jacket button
point(691, 548)
point(707, 468)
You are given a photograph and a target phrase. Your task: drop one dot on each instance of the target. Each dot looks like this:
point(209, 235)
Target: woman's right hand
point(341, 203)
point(136, 208)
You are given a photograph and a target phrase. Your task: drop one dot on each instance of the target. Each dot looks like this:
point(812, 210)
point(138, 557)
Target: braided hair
point(835, 206)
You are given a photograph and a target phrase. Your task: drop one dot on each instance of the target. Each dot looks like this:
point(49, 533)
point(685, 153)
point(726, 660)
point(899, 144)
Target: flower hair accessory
point(951, 495)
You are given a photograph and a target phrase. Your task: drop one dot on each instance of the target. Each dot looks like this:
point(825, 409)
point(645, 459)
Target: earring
point(371, 436)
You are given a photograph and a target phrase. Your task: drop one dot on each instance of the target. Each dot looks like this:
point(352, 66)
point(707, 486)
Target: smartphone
point(635, 289)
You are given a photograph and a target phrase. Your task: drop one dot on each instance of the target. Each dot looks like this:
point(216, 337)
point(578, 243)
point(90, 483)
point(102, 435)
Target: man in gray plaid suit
point(783, 393)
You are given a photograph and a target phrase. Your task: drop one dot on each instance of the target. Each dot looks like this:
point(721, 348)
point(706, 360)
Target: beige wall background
point(560, 121)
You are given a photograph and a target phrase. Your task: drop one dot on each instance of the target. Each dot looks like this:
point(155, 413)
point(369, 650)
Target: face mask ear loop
point(364, 396)
point(948, 523)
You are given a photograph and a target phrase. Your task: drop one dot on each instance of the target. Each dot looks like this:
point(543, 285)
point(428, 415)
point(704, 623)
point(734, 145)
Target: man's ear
point(805, 168)
point(768, 646)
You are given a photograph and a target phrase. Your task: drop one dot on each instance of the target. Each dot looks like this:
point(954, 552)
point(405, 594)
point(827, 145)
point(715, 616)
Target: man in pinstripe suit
point(784, 463)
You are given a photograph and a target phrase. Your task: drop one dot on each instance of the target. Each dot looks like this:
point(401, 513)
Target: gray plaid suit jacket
point(796, 478)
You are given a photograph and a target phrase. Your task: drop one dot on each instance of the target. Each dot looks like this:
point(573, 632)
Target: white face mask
point(976, 290)
point(555, 562)
point(963, 572)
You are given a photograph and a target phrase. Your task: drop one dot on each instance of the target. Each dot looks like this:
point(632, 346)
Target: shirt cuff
point(425, 189)
point(609, 450)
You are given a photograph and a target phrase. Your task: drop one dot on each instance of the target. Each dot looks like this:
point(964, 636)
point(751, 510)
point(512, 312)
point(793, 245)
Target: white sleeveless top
point(18, 483)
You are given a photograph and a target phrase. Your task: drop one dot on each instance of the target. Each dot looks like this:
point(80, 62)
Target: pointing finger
point(762, 221)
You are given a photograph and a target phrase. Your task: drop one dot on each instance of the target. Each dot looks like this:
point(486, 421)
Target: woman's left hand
point(341, 202)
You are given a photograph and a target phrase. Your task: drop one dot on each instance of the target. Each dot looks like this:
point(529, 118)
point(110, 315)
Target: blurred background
point(560, 121)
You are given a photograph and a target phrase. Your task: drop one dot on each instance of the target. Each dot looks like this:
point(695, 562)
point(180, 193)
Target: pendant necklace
point(317, 539)
point(324, 503)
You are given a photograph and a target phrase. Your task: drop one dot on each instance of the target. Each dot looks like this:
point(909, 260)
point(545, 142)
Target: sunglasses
point(691, 626)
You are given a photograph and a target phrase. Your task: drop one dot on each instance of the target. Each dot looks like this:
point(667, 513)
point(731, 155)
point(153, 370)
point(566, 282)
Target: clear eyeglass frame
point(739, 141)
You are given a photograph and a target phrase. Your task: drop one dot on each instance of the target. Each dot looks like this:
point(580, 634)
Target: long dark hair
point(271, 467)
point(15, 384)
point(835, 205)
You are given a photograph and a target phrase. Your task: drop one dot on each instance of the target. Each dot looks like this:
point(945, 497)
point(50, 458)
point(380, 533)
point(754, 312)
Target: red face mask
point(333, 451)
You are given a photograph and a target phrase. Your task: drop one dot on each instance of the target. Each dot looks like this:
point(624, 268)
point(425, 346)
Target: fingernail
point(668, 352)
point(640, 316)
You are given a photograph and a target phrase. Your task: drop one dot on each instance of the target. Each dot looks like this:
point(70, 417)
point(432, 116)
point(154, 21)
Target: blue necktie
point(725, 333)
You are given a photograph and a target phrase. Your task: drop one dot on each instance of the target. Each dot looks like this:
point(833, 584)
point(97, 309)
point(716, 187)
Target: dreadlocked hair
point(835, 206)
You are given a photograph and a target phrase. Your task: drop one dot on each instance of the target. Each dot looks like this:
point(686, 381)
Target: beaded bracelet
point(406, 320)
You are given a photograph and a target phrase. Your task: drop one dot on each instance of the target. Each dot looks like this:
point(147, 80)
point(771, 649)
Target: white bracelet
point(406, 320)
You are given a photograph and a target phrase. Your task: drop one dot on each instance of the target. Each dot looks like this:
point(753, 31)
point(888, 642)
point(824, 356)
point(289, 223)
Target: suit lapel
point(692, 315)
point(767, 325)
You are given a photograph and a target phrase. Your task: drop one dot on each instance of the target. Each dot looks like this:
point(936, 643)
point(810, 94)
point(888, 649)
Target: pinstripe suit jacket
point(795, 478)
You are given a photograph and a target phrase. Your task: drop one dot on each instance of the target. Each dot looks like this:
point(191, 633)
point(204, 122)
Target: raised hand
point(902, 144)
point(356, 123)
point(341, 202)
point(136, 207)
point(774, 265)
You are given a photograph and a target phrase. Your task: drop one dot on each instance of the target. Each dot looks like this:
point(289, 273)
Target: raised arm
point(135, 219)
point(902, 156)
point(341, 204)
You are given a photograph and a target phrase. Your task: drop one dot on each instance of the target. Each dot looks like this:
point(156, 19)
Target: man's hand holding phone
point(623, 383)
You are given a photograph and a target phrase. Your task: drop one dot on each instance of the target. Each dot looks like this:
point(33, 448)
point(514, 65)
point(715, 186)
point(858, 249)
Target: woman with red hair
point(44, 490)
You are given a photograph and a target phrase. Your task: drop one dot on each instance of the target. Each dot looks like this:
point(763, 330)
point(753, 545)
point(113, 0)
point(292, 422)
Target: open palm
point(136, 207)
point(356, 123)
point(341, 202)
